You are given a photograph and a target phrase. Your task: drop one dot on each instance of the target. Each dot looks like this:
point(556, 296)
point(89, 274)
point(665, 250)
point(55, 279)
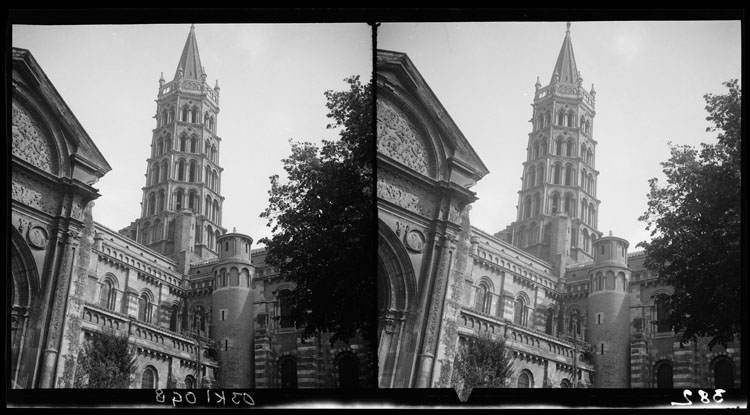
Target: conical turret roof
point(566, 68)
point(190, 61)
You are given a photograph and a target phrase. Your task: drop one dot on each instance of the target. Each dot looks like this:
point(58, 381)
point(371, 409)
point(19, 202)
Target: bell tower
point(557, 204)
point(182, 202)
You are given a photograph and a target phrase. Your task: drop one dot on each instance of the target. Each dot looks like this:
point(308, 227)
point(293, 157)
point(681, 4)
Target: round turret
point(232, 311)
point(609, 312)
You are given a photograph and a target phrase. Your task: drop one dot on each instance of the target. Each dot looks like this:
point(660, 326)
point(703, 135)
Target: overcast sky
point(650, 78)
point(272, 79)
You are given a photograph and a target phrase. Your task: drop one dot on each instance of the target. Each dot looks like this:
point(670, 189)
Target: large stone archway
point(396, 303)
point(24, 313)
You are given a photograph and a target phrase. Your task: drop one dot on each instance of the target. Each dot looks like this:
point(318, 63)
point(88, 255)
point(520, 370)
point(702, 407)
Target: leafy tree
point(481, 363)
point(695, 223)
point(107, 361)
point(322, 219)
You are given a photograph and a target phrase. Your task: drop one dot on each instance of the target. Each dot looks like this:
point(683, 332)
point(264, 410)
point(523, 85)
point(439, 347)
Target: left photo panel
point(192, 207)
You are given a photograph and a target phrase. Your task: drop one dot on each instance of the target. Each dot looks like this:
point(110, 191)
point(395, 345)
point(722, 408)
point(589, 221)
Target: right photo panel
point(546, 218)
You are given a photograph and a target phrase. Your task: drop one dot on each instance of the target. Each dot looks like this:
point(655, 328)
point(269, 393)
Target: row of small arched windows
point(532, 206)
point(155, 203)
point(187, 114)
point(186, 145)
point(186, 171)
point(563, 118)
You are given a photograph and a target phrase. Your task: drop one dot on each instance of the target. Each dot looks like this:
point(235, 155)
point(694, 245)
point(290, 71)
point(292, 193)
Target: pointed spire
point(216, 87)
point(161, 79)
point(538, 84)
point(565, 68)
point(190, 61)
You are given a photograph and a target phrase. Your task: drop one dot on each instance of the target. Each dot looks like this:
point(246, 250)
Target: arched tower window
point(663, 370)
point(540, 176)
point(288, 372)
point(151, 204)
point(189, 382)
point(531, 177)
point(591, 214)
point(209, 236)
point(194, 144)
point(108, 295)
point(569, 205)
point(558, 168)
point(144, 307)
point(164, 170)
point(194, 115)
point(285, 309)
point(535, 151)
point(723, 373)
point(199, 320)
point(559, 147)
point(161, 200)
point(519, 311)
point(560, 117)
point(549, 321)
point(193, 201)
point(555, 203)
point(537, 204)
point(569, 148)
point(183, 143)
point(213, 153)
point(158, 230)
point(193, 171)
point(217, 234)
point(590, 157)
point(174, 318)
point(178, 199)
point(568, 175)
point(661, 303)
point(184, 114)
point(525, 379)
point(214, 181)
point(207, 207)
point(574, 324)
point(585, 240)
point(181, 170)
point(150, 378)
point(215, 212)
point(527, 207)
point(570, 120)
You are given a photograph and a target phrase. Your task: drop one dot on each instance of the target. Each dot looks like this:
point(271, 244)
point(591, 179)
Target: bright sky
point(272, 79)
point(650, 78)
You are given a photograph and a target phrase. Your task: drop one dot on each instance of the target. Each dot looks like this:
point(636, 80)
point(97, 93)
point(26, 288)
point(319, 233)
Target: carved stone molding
point(28, 140)
point(38, 237)
point(33, 192)
point(414, 240)
point(26, 196)
point(406, 194)
point(397, 138)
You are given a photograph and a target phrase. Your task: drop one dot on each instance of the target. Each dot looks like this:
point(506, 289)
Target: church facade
point(574, 307)
point(199, 305)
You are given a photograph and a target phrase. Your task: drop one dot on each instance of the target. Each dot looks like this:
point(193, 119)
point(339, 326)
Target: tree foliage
point(481, 363)
point(322, 218)
point(695, 224)
point(107, 361)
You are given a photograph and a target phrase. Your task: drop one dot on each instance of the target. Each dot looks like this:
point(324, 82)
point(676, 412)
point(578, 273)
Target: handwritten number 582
point(704, 397)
